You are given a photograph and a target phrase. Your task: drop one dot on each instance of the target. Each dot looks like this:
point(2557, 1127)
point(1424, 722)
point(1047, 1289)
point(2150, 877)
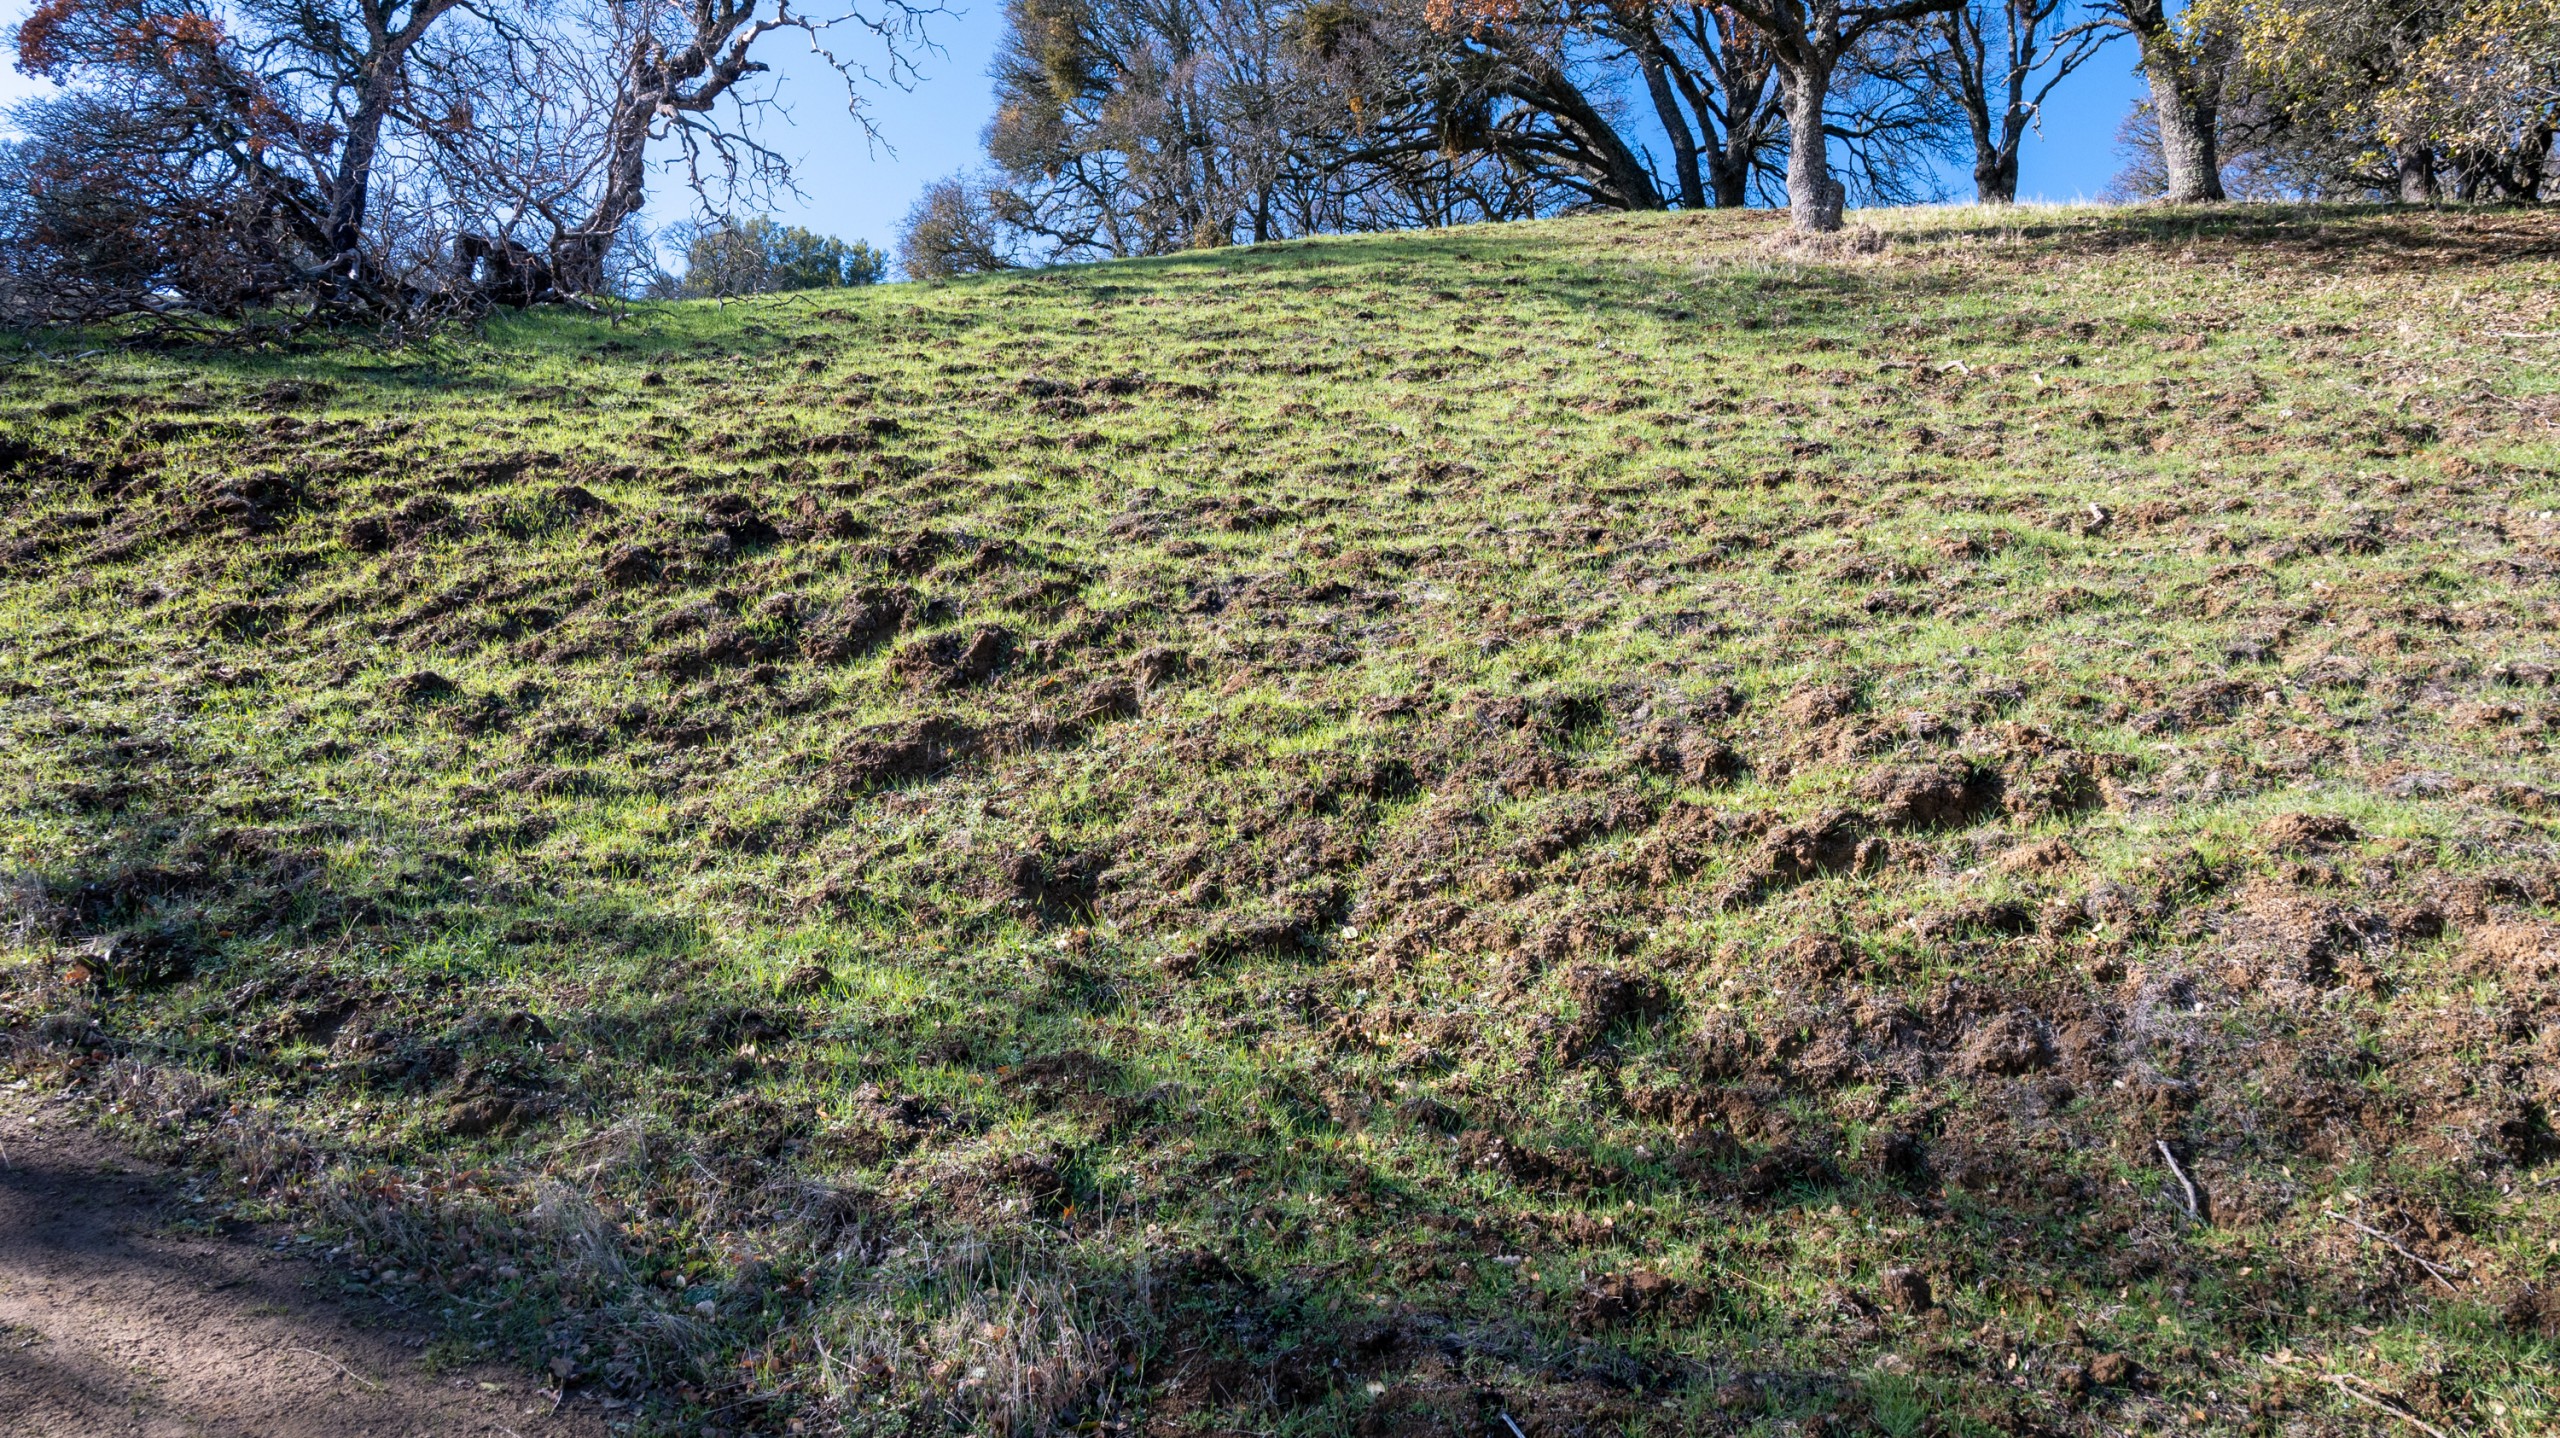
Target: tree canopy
point(764, 256)
point(390, 161)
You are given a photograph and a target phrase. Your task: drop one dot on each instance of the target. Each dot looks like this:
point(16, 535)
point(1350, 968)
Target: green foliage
point(764, 257)
point(2478, 80)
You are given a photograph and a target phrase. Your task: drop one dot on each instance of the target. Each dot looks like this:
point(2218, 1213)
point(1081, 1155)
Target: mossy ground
point(1591, 826)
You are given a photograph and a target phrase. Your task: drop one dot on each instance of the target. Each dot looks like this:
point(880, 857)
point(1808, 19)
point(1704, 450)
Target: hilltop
point(1595, 823)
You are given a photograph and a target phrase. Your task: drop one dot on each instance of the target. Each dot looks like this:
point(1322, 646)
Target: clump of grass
point(1003, 1342)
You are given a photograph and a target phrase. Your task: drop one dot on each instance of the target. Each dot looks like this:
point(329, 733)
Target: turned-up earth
point(1588, 827)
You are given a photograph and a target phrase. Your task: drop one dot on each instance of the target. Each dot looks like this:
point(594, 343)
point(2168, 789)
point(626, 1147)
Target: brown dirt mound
point(1931, 794)
point(2307, 833)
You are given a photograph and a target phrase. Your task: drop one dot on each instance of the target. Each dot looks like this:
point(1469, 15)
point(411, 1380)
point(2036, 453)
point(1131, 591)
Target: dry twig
point(2346, 1383)
point(341, 1367)
point(2193, 1211)
point(2433, 1271)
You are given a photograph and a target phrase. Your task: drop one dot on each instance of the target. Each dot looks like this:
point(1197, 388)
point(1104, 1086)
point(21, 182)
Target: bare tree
point(1712, 81)
point(952, 232)
point(1996, 61)
point(394, 157)
point(1498, 117)
point(1143, 126)
point(1434, 134)
point(286, 100)
point(1809, 40)
point(679, 66)
point(1536, 69)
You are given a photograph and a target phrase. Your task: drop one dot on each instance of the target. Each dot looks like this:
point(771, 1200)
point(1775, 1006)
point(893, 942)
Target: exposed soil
point(122, 1312)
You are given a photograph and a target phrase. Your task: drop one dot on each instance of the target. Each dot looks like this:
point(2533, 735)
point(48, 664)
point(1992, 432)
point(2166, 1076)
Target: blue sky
point(858, 191)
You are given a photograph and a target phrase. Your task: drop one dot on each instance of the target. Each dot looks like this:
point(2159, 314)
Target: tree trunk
point(2187, 134)
point(2186, 101)
point(2532, 161)
point(1995, 177)
point(382, 73)
point(1732, 180)
point(1726, 161)
point(1729, 163)
point(1814, 199)
point(351, 189)
point(2417, 166)
point(578, 256)
point(1684, 145)
point(1995, 164)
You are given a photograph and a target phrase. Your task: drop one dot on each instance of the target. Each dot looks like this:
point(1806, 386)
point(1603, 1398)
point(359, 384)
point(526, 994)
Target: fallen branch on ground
point(2432, 1270)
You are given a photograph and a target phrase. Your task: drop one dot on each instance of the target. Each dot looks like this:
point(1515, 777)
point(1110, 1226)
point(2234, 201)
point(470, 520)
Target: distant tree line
point(1134, 127)
point(763, 257)
point(389, 161)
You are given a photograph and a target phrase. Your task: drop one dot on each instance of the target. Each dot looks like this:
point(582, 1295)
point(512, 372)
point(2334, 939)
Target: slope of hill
point(1591, 824)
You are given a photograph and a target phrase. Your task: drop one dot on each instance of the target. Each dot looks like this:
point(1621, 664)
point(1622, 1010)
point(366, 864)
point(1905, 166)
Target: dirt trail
point(123, 1317)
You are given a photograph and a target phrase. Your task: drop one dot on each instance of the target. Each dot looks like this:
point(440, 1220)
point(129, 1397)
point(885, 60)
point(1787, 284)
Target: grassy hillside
point(1593, 823)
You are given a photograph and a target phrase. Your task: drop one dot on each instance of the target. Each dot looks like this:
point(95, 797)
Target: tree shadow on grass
point(597, 1121)
point(630, 1101)
point(594, 1124)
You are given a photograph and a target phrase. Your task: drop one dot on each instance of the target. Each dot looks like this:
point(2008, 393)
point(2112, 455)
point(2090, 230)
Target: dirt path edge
point(126, 1313)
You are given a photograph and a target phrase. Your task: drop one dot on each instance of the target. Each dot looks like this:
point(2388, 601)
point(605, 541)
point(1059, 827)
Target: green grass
point(1355, 836)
